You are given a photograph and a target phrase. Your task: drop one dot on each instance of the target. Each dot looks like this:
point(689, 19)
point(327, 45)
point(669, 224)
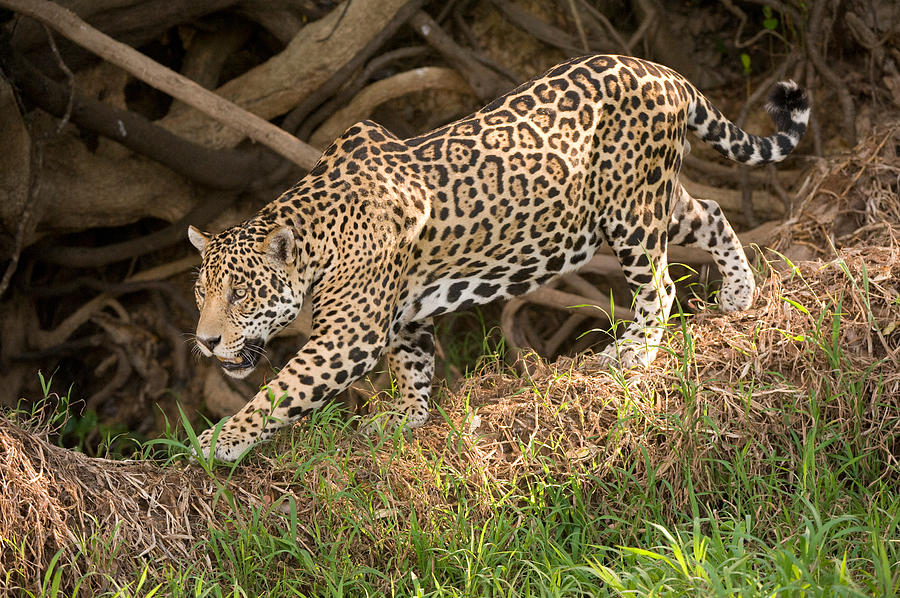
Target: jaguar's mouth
point(245, 361)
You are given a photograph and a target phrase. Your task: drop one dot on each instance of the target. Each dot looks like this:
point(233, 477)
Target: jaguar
point(384, 234)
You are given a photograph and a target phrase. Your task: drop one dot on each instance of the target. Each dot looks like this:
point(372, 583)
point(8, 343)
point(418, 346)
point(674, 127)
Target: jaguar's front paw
point(737, 295)
point(380, 424)
point(227, 446)
point(204, 439)
point(627, 355)
point(387, 423)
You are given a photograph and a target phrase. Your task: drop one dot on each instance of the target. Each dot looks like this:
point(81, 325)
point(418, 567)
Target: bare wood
point(221, 400)
point(134, 22)
point(763, 235)
point(81, 189)
point(206, 54)
point(817, 25)
point(318, 52)
point(765, 205)
point(16, 204)
point(486, 84)
point(543, 31)
point(312, 116)
point(521, 336)
point(44, 339)
point(92, 257)
point(732, 172)
point(572, 323)
point(167, 270)
point(71, 26)
point(513, 333)
point(345, 81)
point(576, 304)
point(475, 47)
point(579, 26)
point(282, 19)
point(365, 102)
point(607, 26)
point(219, 169)
point(520, 333)
point(581, 286)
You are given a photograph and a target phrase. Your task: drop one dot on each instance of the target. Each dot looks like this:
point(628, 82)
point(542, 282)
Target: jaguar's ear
point(279, 245)
point(199, 239)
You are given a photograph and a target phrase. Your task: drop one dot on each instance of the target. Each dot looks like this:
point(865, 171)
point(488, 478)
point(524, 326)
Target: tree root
point(165, 79)
point(219, 169)
point(483, 81)
point(310, 61)
point(92, 257)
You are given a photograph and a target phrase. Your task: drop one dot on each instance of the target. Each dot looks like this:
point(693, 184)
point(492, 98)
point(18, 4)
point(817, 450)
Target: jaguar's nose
point(209, 342)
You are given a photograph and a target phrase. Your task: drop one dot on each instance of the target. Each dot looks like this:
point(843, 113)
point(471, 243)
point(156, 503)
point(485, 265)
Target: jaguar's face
point(247, 291)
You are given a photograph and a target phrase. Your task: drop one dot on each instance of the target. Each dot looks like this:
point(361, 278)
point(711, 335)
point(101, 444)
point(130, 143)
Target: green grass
point(835, 532)
point(811, 512)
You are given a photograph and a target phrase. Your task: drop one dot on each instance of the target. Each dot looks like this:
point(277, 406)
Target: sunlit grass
point(811, 511)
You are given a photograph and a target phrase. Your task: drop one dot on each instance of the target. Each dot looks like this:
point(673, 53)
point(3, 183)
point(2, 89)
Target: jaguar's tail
point(788, 106)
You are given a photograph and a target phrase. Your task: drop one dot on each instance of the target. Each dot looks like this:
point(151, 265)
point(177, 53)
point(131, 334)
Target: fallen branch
point(660, 39)
point(648, 19)
point(309, 62)
point(620, 44)
point(581, 309)
point(116, 381)
point(71, 26)
point(282, 19)
point(17, 166)
point(311, 121)
point(742, 21)
point(579, 26)
point(150, 279)
point(814, 48)
point(731, 172)
point(483, 81)
point(114, 289)
point(206, 53)
point(765, 205)
point(577, 304)
point(342, 70)
point(80, 189)
point(219, 169)
point(475, 49)
point(541, 30)
point(572, 323)
point(92, 257)
point(133, 22)
point(589, 302)
point(220, 399)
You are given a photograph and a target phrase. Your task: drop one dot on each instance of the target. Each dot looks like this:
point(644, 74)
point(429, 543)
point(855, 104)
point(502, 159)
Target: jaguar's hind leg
point(643, 258)
point(410, 356)
point(701, 223)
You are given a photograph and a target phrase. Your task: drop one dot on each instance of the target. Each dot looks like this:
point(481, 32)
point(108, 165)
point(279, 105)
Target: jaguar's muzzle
point(246, 360)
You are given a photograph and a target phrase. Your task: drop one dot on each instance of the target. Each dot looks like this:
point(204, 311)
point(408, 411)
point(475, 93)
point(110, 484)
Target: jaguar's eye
point(238, 294)
point(201, 291)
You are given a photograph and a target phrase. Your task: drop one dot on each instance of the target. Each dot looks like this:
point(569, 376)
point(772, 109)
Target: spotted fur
point(384, 234)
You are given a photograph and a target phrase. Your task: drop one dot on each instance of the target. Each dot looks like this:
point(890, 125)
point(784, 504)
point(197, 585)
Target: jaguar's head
point(249, 288)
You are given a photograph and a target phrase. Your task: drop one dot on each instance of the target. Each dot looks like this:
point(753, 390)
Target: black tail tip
point(787, 100)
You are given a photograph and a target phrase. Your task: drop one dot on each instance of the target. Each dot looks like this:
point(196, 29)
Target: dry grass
point(54, 499)
point(816, 330)
point(849, 200)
